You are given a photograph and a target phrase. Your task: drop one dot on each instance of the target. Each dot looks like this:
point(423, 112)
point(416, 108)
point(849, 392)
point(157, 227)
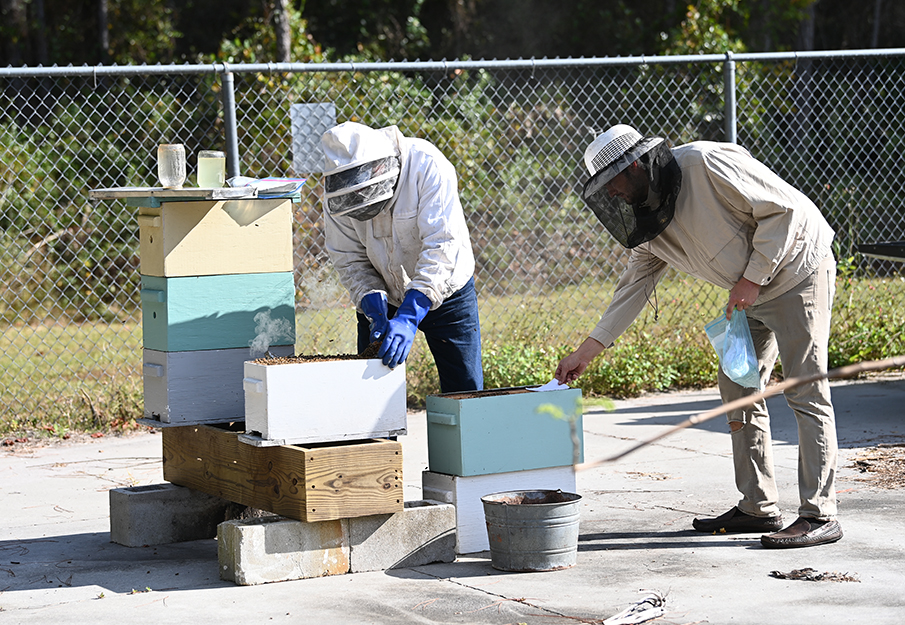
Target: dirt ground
point(881, 466)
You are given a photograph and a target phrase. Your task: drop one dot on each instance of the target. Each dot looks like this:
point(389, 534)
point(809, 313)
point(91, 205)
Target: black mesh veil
point(364, 191)
point(633, 224)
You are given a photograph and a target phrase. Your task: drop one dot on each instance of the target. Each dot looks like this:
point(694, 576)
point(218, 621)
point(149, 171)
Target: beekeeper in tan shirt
point(713, 211)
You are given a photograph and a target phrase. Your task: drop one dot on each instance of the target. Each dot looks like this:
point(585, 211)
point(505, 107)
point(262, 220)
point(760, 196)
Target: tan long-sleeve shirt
point(734, 218)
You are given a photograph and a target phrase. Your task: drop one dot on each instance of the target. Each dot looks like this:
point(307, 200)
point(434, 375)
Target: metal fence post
point(729, 98)
point(227, 93)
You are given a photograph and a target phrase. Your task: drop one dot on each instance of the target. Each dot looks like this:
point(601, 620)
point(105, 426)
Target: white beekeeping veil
point(361, 170)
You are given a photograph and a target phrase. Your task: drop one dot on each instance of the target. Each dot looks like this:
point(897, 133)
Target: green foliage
point(868, 325)
point(254, 41)
point(60, 392)
point(81, 259)
point(141, 31)
point(520, 356)
point(709, 27)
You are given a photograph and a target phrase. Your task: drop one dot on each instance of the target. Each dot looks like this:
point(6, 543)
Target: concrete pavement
point(57, 564)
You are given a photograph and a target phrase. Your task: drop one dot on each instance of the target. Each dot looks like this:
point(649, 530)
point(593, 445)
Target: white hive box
point(184, 388)
point(323, 401)
point(465, 494)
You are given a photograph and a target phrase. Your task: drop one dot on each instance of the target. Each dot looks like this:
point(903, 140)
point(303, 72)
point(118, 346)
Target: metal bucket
point(532, 530)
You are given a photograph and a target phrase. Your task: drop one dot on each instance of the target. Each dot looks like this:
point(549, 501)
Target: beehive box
point(501, 430)
point(465, 494)
point(323, 400)
point(305, 483)
point(201, 238)
point(183, 388)
point(214, 312)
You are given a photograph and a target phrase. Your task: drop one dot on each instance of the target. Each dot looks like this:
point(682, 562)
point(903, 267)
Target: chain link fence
point(832, 124)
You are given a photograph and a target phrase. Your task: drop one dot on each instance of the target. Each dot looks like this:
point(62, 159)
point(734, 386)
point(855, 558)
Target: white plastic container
point(323, 401)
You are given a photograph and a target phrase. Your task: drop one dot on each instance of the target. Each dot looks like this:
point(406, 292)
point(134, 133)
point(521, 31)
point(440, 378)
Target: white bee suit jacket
point(420, 241)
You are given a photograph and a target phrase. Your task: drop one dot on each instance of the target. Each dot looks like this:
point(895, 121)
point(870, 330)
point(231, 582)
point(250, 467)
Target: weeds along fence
point(831, 123)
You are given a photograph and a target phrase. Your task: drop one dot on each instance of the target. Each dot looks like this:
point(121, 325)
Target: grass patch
point(72, 377)
point(86, 377)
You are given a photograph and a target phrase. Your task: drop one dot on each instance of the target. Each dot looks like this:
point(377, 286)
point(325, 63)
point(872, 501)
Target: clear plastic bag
point(733, 344)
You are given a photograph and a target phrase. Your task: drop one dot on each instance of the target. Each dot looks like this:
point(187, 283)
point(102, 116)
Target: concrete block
point(424, 532)
point(159, 514)
point(465, 494)
point(275, 549)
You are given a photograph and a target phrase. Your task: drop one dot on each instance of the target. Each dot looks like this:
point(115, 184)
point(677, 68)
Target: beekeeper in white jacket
point(396, 234)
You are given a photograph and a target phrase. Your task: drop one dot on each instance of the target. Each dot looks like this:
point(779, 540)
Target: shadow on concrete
point(92, 560)
point(867, 413)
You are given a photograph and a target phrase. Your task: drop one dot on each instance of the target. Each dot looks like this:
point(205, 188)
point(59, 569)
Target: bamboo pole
point(841, 372)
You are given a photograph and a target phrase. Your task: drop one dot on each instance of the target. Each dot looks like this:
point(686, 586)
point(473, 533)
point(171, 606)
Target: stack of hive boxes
point(501, 440)
point(217, 278)
point(214, 276)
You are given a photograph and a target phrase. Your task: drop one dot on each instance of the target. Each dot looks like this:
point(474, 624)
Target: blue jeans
point(453, 333)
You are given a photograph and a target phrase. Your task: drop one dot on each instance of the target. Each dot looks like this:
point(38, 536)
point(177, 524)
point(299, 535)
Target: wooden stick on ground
point(841, 372)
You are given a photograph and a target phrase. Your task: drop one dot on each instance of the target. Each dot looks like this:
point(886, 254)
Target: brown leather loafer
point(804, 533)
point(737, 522)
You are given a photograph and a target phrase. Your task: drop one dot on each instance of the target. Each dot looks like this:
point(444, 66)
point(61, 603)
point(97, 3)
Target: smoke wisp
point(268, 332)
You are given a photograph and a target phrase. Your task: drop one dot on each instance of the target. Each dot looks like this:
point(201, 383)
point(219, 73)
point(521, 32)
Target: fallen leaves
point(882, 466)
point(811, 575)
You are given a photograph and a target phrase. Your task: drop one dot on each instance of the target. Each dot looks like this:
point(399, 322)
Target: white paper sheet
point(552, 385)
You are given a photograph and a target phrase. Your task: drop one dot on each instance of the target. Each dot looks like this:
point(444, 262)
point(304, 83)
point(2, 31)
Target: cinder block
point(424, 532)
point(159, 514)
point(276, 549)
point(465, 494)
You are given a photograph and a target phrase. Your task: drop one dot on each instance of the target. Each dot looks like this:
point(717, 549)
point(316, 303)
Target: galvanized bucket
point(532, 530)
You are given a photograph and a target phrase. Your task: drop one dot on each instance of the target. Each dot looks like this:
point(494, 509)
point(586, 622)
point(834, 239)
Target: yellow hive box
point(206, 238)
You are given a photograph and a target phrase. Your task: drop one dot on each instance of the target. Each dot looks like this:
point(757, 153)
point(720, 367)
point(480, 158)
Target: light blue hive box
point(500, 431)
point(214, 312)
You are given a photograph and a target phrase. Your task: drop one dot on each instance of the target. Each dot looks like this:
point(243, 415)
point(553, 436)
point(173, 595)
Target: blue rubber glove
point(374, 306)
point(402, 328)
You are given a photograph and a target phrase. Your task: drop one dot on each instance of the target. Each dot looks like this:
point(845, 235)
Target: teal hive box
point(216, 312)
point(500, 430)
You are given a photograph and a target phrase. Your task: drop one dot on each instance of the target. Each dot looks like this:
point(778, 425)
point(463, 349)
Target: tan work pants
point(795, 326)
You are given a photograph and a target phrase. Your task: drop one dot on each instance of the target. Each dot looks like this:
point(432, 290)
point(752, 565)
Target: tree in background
point(709, 27)
point(379, 29)
point(161, 31)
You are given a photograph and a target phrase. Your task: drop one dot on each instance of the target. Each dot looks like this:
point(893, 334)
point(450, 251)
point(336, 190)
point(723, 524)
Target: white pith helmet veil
point(360, 171)
point(610, 154)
